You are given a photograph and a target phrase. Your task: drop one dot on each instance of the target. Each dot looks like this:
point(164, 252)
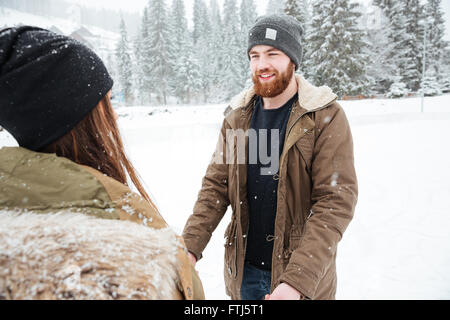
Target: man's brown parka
point(317, 194)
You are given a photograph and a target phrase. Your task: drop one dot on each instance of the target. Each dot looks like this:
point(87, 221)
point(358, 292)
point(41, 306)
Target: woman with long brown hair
point(95, 142)
point(70, 226)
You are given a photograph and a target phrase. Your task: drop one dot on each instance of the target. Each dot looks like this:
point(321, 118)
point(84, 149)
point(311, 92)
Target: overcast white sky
point(138, 6)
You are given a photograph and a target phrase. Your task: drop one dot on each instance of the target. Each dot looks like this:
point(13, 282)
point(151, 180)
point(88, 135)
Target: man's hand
point(192, 258)
point(284, 292)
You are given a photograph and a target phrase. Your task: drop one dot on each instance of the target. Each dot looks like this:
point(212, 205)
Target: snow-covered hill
point(102, 41)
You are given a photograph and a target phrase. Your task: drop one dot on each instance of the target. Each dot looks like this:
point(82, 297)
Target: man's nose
point(263, 63)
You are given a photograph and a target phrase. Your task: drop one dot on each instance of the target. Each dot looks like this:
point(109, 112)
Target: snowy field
point(398, 244)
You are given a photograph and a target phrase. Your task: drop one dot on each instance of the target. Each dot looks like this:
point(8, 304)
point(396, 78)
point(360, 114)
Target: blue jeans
point(255, 283)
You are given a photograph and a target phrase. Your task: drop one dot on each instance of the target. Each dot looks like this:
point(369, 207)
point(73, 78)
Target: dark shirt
point(262, 188)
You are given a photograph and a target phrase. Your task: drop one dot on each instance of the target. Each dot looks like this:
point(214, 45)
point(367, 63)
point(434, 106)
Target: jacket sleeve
point(333, 198)
point(212, 201)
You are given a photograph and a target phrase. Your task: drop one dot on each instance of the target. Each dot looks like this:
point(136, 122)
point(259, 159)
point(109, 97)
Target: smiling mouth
point(266, 77)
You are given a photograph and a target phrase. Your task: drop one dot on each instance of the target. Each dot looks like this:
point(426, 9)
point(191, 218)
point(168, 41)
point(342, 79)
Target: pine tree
point(189, 74)
point(436, 45)
point(186, 79)
point(124, 64)
point(398, 88)
point(217, 85)
point(431, 85)
point(406, 33)
point(275, 6)
point(381, 70)
point(248, 17)
point(199, 14)
point(445, 82)
point(336, 44)
point(181, 37)
point(300, 9)
point(112, 68)
point(202, 39)
point(137, 70)
point(397, 56)
point(412, 68)
point(162, 59)
point(232, 54)
point(144, 60)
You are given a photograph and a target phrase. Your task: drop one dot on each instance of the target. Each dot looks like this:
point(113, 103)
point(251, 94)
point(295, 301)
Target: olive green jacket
point(34, 185)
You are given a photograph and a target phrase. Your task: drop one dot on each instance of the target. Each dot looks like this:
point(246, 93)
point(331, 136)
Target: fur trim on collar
point(310, 97)
point(74, 256)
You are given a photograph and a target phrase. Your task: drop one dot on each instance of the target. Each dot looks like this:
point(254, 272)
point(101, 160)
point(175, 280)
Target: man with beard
point(290, 209)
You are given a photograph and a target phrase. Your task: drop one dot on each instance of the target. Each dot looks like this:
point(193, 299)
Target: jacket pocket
point(231, 250)
point(295, 239)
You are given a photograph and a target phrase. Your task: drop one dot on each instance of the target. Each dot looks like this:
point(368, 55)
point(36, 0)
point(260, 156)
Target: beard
point(274, 87)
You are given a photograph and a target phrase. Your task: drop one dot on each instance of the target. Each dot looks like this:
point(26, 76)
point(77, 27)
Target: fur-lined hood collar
point(310, 97)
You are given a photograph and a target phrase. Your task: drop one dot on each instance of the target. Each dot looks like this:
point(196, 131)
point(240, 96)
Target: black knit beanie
point(280, 31)
point(48, 84)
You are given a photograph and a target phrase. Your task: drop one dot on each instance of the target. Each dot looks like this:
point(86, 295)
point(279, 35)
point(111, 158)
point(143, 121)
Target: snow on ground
point(398, 244)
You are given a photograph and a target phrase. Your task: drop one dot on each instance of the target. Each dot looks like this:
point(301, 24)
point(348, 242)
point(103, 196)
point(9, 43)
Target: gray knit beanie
point(280, 31)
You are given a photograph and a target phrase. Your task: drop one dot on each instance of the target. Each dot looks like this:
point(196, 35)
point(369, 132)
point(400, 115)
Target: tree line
point(169, 63)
